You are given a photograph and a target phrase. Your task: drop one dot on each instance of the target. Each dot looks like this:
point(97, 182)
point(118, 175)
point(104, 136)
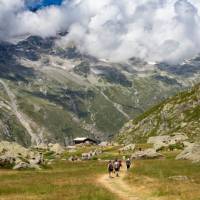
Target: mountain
point(52, 94)
point(178, 114)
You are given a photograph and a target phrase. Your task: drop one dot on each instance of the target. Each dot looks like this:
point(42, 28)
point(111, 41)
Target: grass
point(154, 174)
point(66, 181)
point(77, 181)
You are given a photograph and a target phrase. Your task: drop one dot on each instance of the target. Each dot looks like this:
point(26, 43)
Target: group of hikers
point(115, 166)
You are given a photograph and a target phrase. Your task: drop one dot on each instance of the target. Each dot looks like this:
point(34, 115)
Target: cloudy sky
point(154, 30)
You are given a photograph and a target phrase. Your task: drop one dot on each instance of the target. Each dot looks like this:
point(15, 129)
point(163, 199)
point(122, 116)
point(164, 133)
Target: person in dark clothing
point(128, 164)
point(110, 168)
point(116, 167)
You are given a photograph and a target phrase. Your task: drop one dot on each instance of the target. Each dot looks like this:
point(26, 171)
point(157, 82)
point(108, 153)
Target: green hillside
point(179, 114)
point(50, 94)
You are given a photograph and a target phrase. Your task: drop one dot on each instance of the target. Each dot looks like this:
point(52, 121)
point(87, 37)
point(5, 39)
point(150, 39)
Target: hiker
point(110, 168)
point(128, 164)
point(116, 167)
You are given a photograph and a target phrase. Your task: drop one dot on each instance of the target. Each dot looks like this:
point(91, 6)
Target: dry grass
point(152, 177)
point(66, 181)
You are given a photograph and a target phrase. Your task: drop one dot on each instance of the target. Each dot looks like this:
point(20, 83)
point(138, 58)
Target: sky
point(39, 4)
point(116, 30)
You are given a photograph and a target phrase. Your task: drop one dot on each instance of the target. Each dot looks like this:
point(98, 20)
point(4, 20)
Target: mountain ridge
point(68, 94)
point(178, 114)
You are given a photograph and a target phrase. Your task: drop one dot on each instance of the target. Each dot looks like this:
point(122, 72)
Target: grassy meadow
point(156, 178)
point(63, 180)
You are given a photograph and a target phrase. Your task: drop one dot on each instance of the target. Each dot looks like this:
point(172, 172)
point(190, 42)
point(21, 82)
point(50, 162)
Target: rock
point(73, 158)
point(178, 138)
point(146, 154)
point(158, 139)
point(38, 160)
point(97, 152)
point(42, 146)
point(104, 144)
point(187, 144)
point(192, 152)
point(21, 165)
point(24, 165)
point(86, 156)
point(6, 161)
point(57, 148)
point(130, 147)
point(12, 149)
point(15, 155)
point(179, 178)
point(166, 141)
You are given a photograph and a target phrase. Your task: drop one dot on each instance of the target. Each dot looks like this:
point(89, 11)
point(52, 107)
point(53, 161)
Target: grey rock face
point(18, 157)
point(146, 154)
point(6, 161)
point(129, 147)
point(192, 152)
point(165, 141)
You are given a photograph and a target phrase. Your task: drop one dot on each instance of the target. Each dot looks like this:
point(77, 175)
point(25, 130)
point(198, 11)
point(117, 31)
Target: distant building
point(85, 140)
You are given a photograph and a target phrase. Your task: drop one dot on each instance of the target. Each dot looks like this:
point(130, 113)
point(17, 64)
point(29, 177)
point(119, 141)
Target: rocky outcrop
point(166, 141)
point(13, 155)
point(7, 162)
point(192, 152)
point(130, 147)
point(146, 154)
point(57, 148)
point(179, 114)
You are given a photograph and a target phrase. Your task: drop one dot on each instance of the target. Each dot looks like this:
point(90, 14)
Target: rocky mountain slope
point(52, 94)
point(179, 114)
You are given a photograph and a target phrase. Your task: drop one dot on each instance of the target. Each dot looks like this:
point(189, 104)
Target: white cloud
point(154, 30)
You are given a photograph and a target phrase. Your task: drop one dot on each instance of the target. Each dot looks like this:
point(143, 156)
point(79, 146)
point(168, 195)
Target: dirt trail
point(118, 186)
point(21, 116)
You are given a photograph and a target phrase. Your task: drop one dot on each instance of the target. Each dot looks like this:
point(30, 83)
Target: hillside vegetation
point(52, 94)
point(179, 114)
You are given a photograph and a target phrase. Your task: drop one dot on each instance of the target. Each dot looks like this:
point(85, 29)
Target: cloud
point(154, 30)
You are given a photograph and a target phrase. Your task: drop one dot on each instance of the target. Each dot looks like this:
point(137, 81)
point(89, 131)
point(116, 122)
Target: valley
point(99, 100)
point(62, 93)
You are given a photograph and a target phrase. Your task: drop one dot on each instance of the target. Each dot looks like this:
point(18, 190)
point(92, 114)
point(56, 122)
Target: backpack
point(110, 166)
point(116, 165)
point(128, 162)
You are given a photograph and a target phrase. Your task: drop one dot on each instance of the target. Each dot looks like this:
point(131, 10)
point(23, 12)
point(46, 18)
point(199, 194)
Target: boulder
point(166, 141)
point(21, 165)
point(57, 148)
point(86, 156)
point(178, 178)
point(158, 139)
point(130, 147)
point(177, 138)
point(192, 152)
point(41, 146)
point(104, 144)
point(12, 149)
point(73, 158)
point(146, 154)
point(24, 165)
point(37, 160)
point(97, 152)
point(6, 161)
point(13, 154)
